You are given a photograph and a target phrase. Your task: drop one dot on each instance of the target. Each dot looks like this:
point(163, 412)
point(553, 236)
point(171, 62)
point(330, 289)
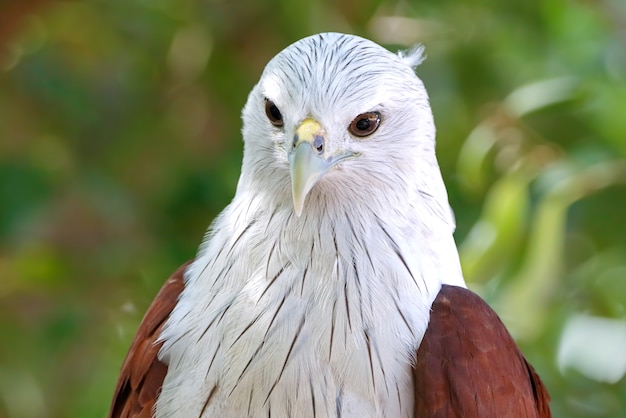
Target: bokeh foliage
point(119, 142)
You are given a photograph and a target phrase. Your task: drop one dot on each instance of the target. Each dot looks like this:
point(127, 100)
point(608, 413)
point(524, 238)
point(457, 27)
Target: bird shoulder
point(142, 373)
point(469, 366)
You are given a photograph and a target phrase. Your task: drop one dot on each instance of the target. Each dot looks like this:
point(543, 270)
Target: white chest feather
point(306, 321)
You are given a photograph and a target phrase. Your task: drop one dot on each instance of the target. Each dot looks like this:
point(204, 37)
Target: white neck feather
point(312, 316)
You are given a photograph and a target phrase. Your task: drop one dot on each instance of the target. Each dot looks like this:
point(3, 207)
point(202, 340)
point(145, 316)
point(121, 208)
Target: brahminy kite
point(331, 285)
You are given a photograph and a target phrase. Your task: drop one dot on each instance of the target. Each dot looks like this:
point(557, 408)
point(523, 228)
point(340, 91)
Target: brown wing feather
point(142, 373)
point(468, 365)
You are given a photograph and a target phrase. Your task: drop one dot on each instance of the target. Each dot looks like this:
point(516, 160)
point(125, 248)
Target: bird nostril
point(318, 143)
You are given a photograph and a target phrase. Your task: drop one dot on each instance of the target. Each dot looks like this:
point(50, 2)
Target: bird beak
point(307, 160)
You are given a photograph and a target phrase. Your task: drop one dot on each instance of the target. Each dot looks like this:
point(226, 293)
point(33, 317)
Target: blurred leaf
point(497, 235)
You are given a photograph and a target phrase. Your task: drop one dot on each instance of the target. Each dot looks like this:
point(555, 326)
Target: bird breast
point(296, 317)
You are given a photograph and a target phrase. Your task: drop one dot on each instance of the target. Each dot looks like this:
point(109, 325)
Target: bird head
point(343, 118)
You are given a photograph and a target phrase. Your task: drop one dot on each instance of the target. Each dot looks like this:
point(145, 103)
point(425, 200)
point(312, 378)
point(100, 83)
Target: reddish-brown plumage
point(142, 373)
point(467, 365)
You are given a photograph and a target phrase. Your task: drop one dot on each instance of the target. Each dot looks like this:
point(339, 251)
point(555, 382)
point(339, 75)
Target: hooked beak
point(307, 160)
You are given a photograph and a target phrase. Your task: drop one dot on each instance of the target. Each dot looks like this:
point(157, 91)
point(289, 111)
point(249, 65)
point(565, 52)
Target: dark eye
point(273, 114)
point(365, 124)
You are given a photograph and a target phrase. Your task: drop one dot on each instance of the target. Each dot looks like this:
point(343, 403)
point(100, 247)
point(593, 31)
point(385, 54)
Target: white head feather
point(333, 78)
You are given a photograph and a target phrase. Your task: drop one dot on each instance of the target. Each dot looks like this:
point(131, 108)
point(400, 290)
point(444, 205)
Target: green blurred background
point(119, 143)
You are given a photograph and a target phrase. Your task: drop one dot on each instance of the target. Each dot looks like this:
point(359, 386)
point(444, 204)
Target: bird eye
point(273, 114)
point(365, 124)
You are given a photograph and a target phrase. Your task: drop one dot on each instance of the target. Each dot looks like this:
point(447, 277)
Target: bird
point(331, 285)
